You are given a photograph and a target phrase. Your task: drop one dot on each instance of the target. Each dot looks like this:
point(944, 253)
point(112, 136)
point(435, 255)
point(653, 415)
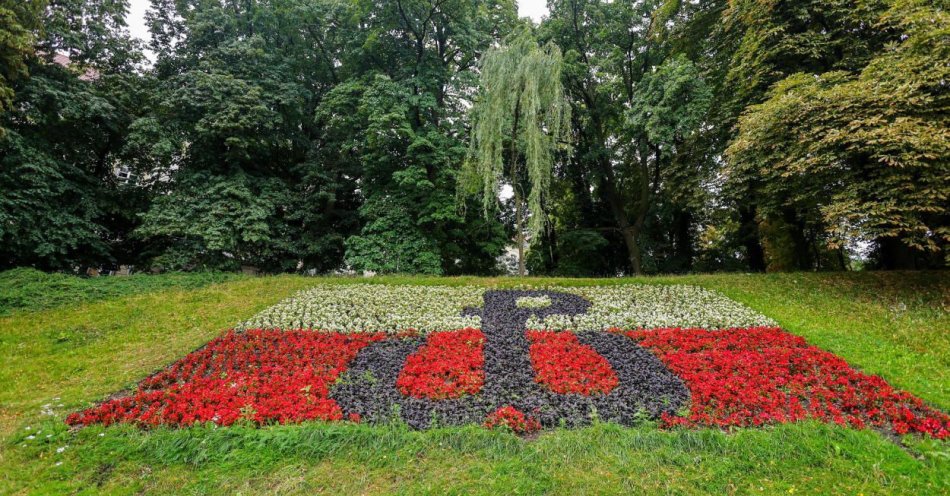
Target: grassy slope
point(30, 288)
point(894, 325)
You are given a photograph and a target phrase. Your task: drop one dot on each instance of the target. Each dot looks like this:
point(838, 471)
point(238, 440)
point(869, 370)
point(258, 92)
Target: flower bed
point(450, 365)
point(581, 376)
point(260, 375)
point(394, 309)
point(762, 375)
point(372, 308)
point(642, 306)
point(565, 365)
point(412, 366)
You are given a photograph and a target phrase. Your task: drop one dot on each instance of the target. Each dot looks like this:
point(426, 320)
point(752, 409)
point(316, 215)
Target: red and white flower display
point(724, 378)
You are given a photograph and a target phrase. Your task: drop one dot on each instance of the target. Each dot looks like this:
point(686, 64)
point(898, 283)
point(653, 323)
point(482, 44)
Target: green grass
point(31, 289)
point(80, 349)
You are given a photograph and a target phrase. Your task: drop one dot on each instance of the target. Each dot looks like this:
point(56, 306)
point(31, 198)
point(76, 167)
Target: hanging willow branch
point(521, 106)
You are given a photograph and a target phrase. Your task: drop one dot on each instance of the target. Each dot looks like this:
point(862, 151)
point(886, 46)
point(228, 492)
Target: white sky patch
point(506, 192)
point(136, 19)
point(535, 9)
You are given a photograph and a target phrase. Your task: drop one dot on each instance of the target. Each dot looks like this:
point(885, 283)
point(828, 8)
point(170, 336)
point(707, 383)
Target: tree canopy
point(519, 122)
point(320, 135)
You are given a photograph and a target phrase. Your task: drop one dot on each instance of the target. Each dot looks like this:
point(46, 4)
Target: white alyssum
point(373, 308)
point(385, 308)
point(639, 306)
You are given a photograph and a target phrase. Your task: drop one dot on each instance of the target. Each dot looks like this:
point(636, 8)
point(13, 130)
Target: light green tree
point(520, 114)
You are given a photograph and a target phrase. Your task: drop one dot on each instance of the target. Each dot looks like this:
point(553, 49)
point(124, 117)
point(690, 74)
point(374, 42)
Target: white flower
point(634, 306)
point(372, 308)
point(382, 308)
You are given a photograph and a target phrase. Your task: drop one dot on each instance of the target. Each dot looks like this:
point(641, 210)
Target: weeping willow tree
point(518, 123)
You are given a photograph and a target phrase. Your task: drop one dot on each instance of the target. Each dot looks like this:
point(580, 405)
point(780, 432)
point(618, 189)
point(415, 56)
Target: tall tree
point(754, 45)
point(417, 74)
point(867, 152)
point(518, 124)
point(237, 87)
point(636, 111)
point(340, 124)
point(62, 205)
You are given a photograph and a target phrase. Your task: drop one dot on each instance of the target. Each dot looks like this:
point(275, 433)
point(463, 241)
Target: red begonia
point(450, 364)
point(565, 365)
point(762, 375)
point(259, 375)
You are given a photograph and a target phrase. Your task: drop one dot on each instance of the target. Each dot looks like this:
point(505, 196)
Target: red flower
point(512, 418)
point(755, 376)
point(565, 365)
point(449, 365)
point(259, 375)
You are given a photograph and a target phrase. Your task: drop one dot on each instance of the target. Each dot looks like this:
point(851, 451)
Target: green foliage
point(17, 21)
point(671, 104)
point(777, 39)
point(578, 253)
point(325, 111)
point(62, 206)
point(639, 109)
point(46, 218)
point(869, 151)
point(221, 222)
point(302, 135)
point(392, 243)
point(521, 100)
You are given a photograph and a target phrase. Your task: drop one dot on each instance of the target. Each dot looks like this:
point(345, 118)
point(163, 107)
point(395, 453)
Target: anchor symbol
point(646, 386)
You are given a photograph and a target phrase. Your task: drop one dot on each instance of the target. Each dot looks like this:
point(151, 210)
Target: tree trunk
point(749, 234)
point(519, 228)
point(682, 241)
point(628, 231)
point(630, 235)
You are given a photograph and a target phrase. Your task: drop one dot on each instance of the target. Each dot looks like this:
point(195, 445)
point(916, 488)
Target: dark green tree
point(62, 205)
point(636, 109)
point(319, 113)
point(18, 22)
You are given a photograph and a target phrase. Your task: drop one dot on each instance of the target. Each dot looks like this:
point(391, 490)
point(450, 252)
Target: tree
point(342, 107)
point(18, 20)
point(236, 88)
point(522, 99)
point(417, 76)
point(628, 175)
point(670, 105)
point(753, 46)
point(62, 205)
point(867, 152)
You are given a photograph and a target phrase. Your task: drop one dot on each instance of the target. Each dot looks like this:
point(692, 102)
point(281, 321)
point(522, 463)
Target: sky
point(136, 20)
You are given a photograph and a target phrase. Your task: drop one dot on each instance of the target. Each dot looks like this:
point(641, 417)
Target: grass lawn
point(90, 339)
